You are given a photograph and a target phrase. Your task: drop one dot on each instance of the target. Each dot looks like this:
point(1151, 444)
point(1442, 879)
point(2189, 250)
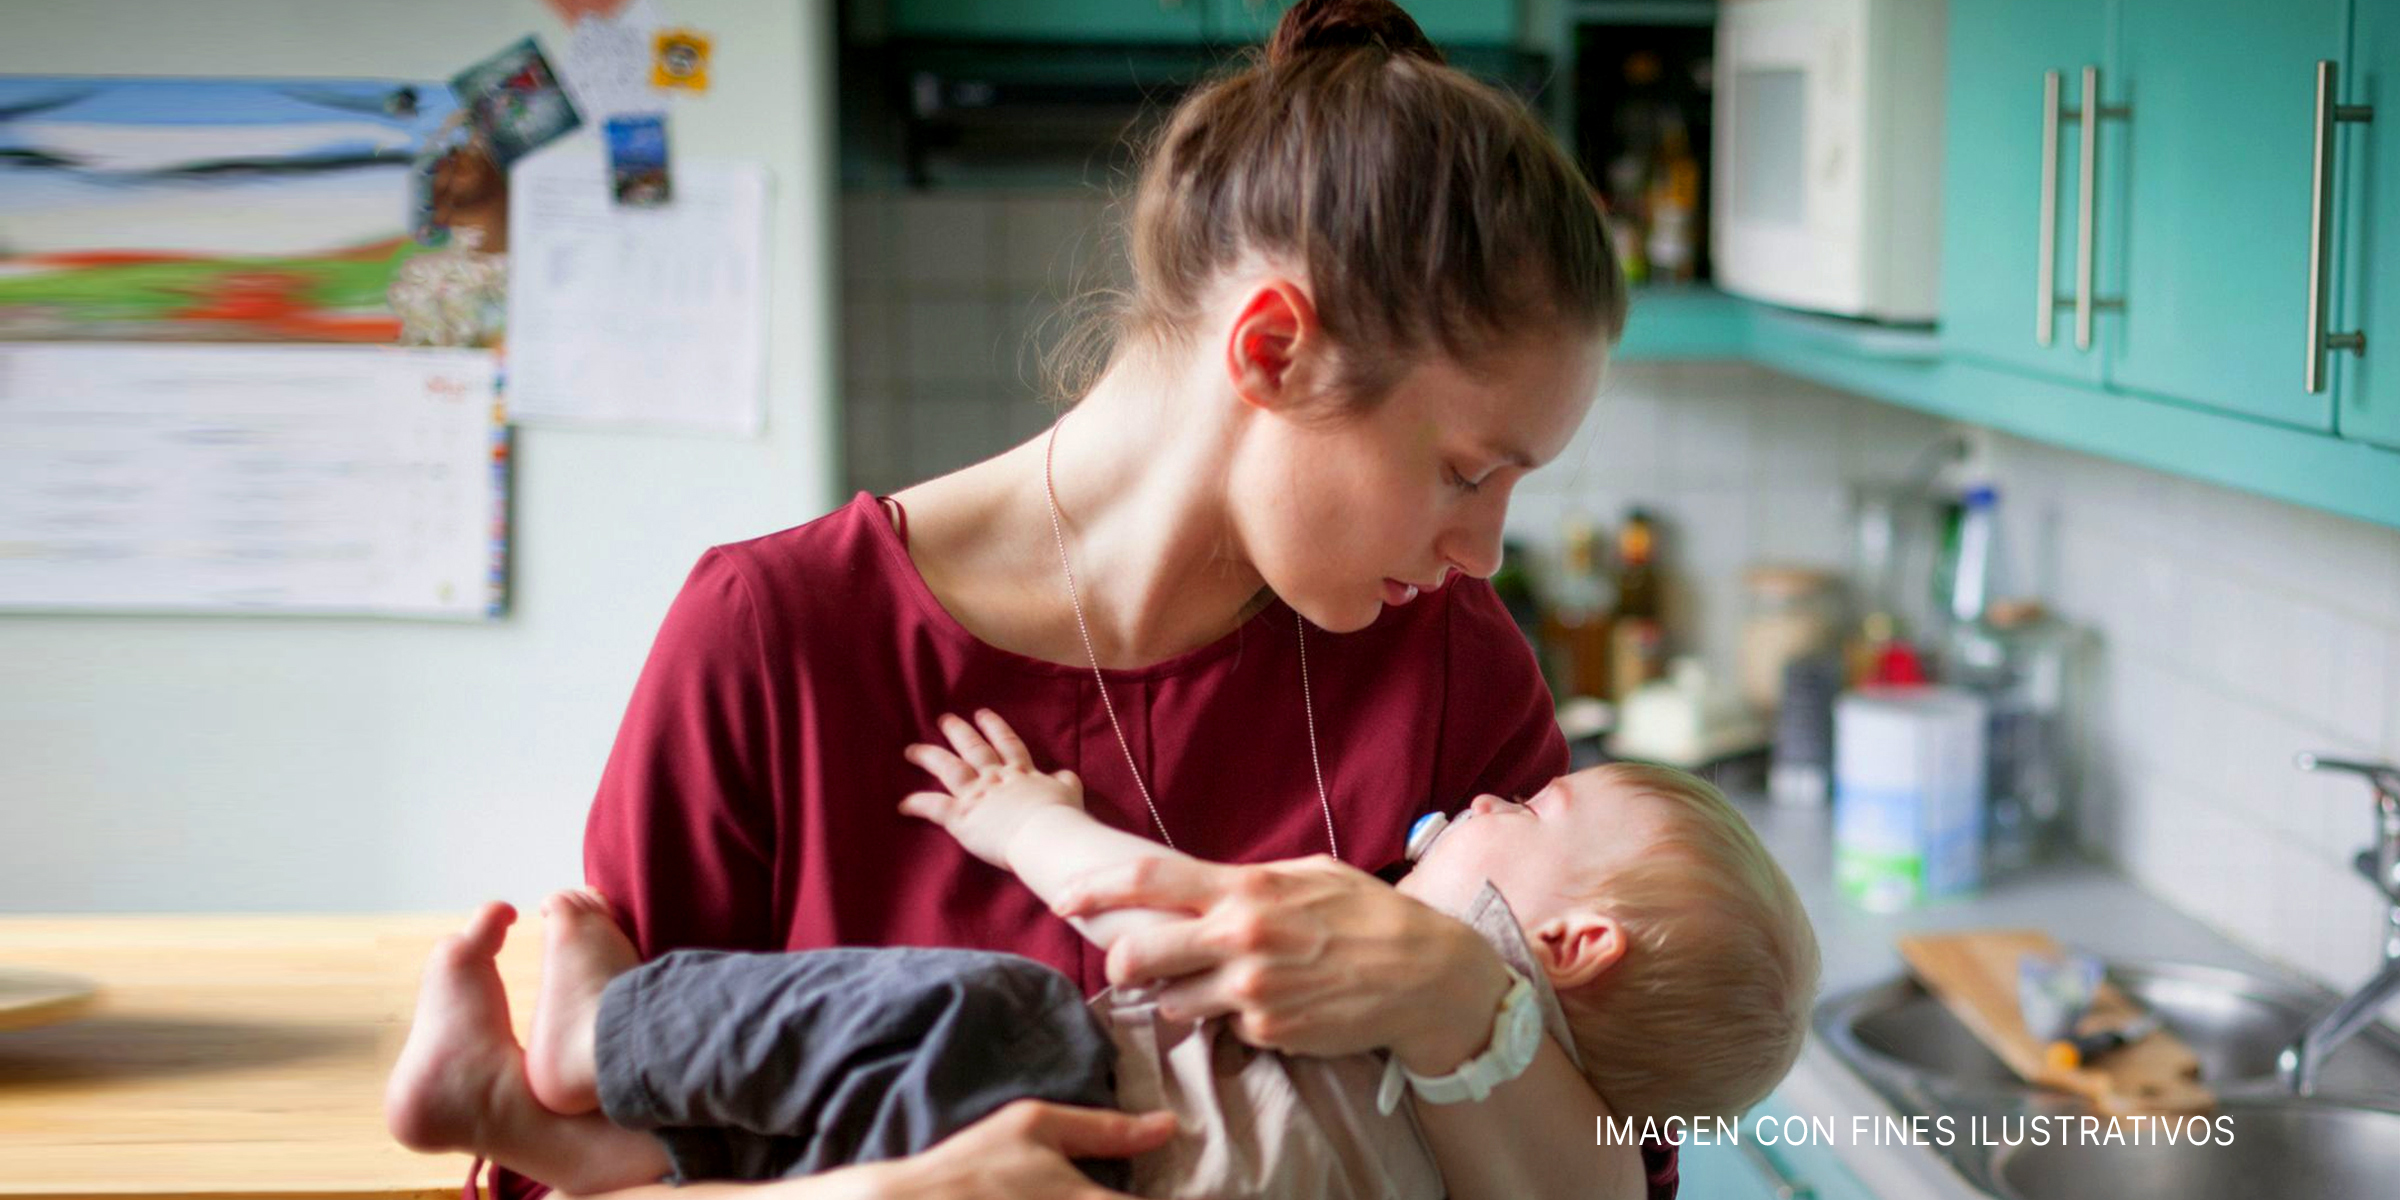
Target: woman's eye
point(1461, 482)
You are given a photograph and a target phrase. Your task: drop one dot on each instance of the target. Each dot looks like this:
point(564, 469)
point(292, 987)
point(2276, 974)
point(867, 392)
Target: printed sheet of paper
point(606, 65)
point(303, 479)
point(637, 316)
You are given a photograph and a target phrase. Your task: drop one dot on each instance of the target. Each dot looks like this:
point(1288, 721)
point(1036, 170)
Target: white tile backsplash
point(947, 241)
point(2231, 631)
point(2365, 676)
point(2258, 630)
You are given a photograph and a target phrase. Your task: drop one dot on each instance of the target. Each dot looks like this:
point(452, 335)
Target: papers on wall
point(637, 316)
point(313, 479)
point(607, 61)
point(211, 210)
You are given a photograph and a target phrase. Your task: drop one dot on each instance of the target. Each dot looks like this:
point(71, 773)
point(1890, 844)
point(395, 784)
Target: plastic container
point(1908, 795)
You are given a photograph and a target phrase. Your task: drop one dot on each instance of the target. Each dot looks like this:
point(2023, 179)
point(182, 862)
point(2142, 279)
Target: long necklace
point(1308, 705)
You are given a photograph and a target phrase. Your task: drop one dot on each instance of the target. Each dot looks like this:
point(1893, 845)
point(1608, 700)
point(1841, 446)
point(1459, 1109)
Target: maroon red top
point(751, 799)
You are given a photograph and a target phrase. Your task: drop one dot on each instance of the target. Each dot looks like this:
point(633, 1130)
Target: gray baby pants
point(766, 1066)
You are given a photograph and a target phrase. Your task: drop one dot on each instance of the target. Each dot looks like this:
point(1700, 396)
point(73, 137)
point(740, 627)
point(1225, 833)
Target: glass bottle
point(1637, 642)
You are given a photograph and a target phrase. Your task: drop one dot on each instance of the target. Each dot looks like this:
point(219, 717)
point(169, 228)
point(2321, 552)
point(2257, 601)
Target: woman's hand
point(1020, 1152)
point(1308, 956)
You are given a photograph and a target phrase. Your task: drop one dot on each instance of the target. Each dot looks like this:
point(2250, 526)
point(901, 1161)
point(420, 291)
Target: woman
point(1238, 589)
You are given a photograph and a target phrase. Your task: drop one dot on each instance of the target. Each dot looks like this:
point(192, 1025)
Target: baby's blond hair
point(1709, 1006)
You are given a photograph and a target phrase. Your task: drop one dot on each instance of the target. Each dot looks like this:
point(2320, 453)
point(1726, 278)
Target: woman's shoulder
point(835, 570)
point(839, 543)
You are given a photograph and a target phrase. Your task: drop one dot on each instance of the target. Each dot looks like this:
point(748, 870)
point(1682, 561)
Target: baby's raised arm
point(1008, 813)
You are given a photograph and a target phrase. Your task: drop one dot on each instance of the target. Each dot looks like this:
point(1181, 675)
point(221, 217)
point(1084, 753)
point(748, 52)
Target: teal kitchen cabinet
point(2013, 230)
point(2368, 158)
point(1447, 22)
point(2217, 213)
point(1053, 20)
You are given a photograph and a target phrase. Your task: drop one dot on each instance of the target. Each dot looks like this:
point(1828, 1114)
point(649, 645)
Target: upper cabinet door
point(1447, 22)
point(1052, 20)
point(2011, 182)
point(2215, 229)
point(2369, 385)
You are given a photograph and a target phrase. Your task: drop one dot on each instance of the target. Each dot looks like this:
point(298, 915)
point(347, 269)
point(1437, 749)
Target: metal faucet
point(2297, 1066)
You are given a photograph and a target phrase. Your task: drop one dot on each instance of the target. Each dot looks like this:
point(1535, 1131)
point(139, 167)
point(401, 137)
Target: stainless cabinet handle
point(2085, 191)
point(1786, 1185)
point(2330, 112)
point(2045, 302)
point(2086, 204)
point(2088, 114)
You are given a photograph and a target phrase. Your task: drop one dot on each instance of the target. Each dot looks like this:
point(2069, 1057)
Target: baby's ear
point(1577, 948)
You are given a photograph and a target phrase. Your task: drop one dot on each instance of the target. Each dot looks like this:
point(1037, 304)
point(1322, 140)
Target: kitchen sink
point(2277, 1148)
point(2342, 1143)
point(1900, 1037)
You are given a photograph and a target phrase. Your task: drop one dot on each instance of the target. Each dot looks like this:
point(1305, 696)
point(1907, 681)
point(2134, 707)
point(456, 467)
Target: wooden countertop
point(237, 1056)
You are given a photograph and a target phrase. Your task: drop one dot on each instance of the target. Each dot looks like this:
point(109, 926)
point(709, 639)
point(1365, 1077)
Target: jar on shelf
point(2023, 662)
point(1789, 614)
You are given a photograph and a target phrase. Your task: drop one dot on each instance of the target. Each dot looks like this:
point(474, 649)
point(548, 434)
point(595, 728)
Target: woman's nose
point(1474, 554)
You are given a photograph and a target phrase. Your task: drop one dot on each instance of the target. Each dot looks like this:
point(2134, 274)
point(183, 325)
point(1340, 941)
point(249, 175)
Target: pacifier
point(1422, 834)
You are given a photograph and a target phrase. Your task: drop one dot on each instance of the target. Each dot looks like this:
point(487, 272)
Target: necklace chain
point(1083, 627)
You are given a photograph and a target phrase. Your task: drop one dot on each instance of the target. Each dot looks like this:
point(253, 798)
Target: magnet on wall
point(571, 11)
point(681, 60)
point(637, 159)
point(516, 101)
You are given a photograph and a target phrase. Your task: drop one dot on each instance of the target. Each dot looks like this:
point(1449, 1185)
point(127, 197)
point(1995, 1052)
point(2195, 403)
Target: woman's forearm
point(1536, 1137)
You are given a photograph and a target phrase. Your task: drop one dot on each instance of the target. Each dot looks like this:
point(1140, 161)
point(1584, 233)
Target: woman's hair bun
point(1313, 25)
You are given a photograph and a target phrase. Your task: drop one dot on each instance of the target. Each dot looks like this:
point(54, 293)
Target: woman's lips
point(1397, 593)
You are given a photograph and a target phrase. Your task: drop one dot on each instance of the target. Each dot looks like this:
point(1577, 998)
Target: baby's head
point(1680, 952)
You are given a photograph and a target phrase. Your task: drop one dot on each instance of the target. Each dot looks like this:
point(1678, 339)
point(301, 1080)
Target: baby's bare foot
point(583, 949)
point(461, 1059)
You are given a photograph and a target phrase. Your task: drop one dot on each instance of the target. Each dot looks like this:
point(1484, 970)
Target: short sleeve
point(681, 834)
point(1499, 731)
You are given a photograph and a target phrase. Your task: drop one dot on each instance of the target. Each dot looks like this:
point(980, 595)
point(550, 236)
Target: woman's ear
point(1275, 327)
point(1579, 947)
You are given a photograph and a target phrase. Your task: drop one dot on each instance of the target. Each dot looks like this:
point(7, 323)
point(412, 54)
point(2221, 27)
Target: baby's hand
point(992, 786)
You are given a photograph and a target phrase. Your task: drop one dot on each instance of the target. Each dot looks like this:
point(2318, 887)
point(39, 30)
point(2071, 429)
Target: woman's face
point(1343, 516)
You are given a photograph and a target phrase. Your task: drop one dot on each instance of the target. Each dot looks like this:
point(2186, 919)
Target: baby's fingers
point(937, 807)
point(1004, 739)
point(941, 764)
point(969, 744)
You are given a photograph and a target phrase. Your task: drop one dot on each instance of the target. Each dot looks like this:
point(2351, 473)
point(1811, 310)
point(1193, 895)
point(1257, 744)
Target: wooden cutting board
point(30, 998)
point(1974, 975)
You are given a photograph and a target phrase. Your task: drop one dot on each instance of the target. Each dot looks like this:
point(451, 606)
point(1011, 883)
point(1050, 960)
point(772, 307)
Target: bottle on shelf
point(1575, 629)
point(1637, 642)
point(1674, 206)
point(1974, 571)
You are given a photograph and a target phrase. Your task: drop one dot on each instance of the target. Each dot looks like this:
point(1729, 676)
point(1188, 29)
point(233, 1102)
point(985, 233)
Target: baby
point(1667, 953)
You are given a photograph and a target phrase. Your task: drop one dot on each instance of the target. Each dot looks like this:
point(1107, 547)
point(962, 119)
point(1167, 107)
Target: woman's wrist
point(1468, 982)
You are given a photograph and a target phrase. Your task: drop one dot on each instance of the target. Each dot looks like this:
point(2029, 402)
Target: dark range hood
point(978, 113)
